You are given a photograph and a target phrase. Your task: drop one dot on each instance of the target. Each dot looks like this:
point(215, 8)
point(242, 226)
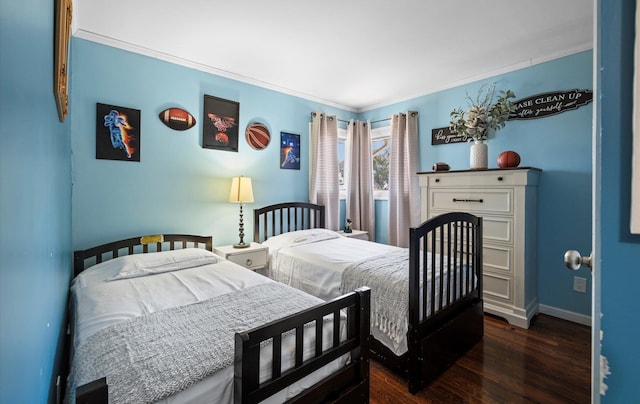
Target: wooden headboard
point(137, 245)
point(284, 217)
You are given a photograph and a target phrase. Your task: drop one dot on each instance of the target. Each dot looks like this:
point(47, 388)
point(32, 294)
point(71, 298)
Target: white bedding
point(99, 301)
point(313, 260)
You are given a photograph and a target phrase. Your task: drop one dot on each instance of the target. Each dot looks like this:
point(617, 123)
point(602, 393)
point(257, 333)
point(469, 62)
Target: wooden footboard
point(284, 217)
point(445, 319)
point(440, 329)
point(350, 384)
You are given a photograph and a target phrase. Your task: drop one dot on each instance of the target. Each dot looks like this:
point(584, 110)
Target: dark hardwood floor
point(548, 363)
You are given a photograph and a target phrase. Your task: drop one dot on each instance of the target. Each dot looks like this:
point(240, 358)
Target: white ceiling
point(353, 54)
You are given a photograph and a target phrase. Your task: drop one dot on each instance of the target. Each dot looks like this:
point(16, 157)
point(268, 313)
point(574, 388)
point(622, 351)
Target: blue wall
point(619, 269)
point(35, 206)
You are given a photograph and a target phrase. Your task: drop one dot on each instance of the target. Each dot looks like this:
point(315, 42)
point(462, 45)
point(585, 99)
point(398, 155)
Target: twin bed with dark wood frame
point(348, 384)
point(436, 341)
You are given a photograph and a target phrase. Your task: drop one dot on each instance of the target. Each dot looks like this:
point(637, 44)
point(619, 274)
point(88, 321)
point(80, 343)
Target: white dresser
point(506, 199)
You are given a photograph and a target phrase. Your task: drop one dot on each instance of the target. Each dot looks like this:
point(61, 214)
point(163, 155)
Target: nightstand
point(253, 257)
point(360, 234)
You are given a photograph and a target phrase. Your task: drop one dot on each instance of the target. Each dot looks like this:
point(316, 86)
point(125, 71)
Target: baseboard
point(565, 314)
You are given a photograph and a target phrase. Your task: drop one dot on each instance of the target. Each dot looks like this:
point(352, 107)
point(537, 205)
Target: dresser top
point(480, 170)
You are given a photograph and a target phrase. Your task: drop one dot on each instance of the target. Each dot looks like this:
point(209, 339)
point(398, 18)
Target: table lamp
point(241, 192)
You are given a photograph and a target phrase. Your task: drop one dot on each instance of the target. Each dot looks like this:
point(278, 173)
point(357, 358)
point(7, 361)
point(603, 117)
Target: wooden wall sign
point(445, 136)
point(546, 104)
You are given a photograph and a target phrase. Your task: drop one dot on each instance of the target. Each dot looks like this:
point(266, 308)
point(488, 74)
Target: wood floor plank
point(548, 363)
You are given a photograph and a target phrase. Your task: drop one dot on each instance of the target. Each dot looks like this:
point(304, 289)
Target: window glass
point(380, 153)
point(341, 160)
point(380, 150)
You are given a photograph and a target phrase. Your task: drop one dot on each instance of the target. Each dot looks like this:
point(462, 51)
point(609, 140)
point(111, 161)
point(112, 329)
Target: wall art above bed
point(220, 124)
point(257, 136)
point(117, 133)
point(289, 151)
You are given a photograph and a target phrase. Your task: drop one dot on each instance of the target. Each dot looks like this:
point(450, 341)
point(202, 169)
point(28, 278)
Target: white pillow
point(136, 265)
point(299, 237)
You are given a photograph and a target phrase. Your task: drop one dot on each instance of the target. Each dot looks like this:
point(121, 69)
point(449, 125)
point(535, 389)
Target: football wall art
point(177, 118)
point(220, 124)
point(289, 151)
point(117, 133)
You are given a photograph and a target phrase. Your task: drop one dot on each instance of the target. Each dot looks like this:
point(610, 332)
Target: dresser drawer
point(251, 260)
point(497, 259)
point(491, 201)
point(497, 287)
point(494, 229)
point(497, 229)
point(475, 179)
point(252, 257)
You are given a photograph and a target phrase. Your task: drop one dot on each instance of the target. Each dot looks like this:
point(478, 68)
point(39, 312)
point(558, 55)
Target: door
point(575, 259)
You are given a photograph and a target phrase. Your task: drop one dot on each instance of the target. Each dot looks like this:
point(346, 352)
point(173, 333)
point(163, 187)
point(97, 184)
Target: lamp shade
point(241, 190)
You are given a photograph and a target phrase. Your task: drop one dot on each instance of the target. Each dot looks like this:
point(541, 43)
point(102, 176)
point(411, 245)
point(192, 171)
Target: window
point(380, 149)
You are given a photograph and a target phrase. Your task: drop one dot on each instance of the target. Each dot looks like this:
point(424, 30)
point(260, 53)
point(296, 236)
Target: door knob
point(573, 260)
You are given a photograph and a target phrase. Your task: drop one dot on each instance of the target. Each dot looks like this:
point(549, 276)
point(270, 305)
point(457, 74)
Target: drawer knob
point(437, 179)
point(249, 262)
point(499, 178)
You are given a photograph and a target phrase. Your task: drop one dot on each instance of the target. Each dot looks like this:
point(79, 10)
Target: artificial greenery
point(483, 115)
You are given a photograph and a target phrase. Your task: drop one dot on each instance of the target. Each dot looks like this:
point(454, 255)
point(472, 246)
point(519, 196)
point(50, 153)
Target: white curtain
point(635, 173)
point(404, 192)
point(323, 167)
point(360, 178)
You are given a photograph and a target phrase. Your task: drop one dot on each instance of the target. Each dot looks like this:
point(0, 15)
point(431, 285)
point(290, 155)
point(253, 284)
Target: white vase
point(478, 157)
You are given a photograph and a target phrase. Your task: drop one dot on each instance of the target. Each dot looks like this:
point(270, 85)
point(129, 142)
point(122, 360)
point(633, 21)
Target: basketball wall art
point(289, 151)
point(257, 136)
point(117, 133)
point(220, 124)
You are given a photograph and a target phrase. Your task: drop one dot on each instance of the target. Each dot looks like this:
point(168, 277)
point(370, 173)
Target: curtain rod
point(413, 113)
point(345, 121)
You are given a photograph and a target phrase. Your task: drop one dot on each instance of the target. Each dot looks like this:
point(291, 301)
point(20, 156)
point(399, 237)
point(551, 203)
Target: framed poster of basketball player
point(289, 151)
point(220, 124)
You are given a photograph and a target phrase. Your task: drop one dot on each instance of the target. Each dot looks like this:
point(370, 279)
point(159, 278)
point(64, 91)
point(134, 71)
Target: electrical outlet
point(580, 284)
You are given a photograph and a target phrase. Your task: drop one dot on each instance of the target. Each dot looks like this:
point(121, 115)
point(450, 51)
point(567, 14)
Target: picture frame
point(117, 133)
point(289, 151)
point(220, 124)
point(63, 12)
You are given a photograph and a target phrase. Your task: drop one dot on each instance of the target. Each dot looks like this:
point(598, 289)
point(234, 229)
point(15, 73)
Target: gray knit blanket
point(388, 277)
point(153, 356)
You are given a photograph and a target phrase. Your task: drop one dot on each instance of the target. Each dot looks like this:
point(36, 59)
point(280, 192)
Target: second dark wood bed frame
point(434, 342)
point(349, 384)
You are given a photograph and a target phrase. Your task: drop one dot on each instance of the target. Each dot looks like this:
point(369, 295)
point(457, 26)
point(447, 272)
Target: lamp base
point(241, 245)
